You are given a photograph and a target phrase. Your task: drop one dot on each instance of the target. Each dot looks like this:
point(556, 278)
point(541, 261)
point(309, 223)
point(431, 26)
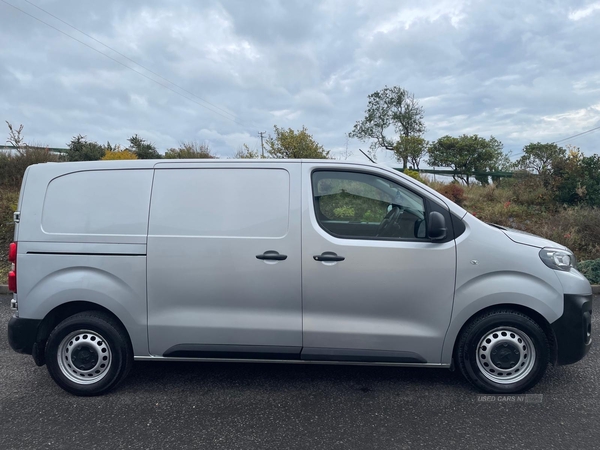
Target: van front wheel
point(88, 353)
point(503, 352)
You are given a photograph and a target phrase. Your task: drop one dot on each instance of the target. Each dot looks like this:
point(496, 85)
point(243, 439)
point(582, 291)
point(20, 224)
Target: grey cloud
point(519, 70)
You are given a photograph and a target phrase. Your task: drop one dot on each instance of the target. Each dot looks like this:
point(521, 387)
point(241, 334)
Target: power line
point(129, 59)
point(565, 139)
point(576, 135)
point(123, 64)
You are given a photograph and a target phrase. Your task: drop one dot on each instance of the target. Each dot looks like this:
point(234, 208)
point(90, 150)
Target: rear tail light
point(12, 275)
point(12, 281)
point(12, 252)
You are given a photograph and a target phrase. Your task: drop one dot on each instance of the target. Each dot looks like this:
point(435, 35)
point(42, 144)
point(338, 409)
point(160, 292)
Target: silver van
point(300, 261)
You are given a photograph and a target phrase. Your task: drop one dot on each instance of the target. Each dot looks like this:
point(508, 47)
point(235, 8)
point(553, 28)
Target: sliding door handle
point(328, 257)
point(271, 255)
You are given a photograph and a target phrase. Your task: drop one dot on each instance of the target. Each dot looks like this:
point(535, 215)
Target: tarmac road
point(247, 406)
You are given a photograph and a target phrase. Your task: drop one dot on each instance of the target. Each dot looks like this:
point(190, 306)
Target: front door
point(375, 288)
point(224, 274)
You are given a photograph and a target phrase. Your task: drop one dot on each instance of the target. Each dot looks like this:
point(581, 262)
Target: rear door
point(224, 261)
point(375, 288)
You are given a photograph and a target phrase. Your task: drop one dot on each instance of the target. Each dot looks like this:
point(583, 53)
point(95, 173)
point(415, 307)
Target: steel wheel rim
point(84, 357)
point(505, 355)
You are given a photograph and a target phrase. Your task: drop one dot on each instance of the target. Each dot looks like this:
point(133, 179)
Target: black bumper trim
point(573, 329)
point(22, 334)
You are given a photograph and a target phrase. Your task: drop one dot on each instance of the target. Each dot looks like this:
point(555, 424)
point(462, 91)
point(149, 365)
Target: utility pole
point(262, 146)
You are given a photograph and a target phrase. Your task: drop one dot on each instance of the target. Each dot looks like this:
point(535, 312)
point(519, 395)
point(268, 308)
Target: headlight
point(558, 259)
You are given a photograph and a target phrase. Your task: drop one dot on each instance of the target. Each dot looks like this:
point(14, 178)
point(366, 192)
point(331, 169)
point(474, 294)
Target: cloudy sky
point(519, 70)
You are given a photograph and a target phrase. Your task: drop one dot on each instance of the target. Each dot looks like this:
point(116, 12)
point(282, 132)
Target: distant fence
point(51, 149)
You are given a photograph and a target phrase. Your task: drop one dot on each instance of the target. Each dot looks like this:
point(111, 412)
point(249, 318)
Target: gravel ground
point(247, 406)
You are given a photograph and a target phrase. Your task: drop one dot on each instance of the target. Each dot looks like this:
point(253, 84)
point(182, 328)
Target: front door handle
point(328, 257)
point(271, 255)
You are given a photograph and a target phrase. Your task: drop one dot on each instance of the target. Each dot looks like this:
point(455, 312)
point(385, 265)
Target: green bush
point(591, 270)
point(80, 149)
point(13, 164)
point(142, 148)
point(529, 189)
point(577, 179)
point(115, 155)
point(454, 192)
point(414, 174)
point(355, 208)
point(344, 213)
point(190, 150)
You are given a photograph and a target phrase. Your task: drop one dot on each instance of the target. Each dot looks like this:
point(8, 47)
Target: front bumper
point(573, 330)
point(22, 334)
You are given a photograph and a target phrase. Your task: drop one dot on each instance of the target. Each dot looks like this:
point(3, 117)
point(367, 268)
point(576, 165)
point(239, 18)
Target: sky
point(522, 71)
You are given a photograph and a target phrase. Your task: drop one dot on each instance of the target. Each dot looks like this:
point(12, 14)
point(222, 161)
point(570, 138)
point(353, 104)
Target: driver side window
point(356, 205)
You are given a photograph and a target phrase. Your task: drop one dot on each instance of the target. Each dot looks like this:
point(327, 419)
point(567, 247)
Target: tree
point(411, 149)
point(539, 158)
point(80, 149)
point(15, 137)
point(576, 178)
point(190, 150)
point(500, 164)
point(294, 144)
point(346, 153)
point(466, 155)
point(112, 148)
point(142, 148)
point(245, 152)
point(394, 108)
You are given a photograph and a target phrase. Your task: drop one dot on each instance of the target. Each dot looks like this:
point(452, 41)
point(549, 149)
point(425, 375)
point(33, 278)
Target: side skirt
point(292, 361)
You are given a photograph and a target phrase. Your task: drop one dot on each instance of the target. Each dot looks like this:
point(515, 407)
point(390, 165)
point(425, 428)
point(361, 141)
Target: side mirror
point(436, 228)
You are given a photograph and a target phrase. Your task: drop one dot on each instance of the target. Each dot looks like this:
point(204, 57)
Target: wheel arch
point(531, 313)
point(60, 313)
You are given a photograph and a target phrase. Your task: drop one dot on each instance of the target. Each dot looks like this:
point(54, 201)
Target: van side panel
point(207, 284)
point(116, 281)
point(492, 270)
point(82, 237)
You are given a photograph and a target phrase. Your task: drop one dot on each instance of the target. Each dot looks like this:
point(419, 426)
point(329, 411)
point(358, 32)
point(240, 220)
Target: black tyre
point(503, 352)
point(88, 353)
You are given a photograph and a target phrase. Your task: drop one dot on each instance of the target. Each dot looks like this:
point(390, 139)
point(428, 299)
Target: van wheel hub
point(84, 357)
point(505, 355)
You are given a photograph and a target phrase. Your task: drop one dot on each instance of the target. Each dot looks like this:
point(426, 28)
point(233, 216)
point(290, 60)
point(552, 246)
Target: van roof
point(150, 163)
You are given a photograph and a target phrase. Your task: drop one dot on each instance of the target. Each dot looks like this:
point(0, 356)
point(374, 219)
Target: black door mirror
point(436, 228)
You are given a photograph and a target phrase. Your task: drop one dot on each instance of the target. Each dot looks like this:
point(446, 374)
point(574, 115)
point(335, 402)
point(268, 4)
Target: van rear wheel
point(88, 353)
point(503, 352)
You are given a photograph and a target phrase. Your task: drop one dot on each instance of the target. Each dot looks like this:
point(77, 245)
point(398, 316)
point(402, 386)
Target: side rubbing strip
point(233, 351)
point(357, 355)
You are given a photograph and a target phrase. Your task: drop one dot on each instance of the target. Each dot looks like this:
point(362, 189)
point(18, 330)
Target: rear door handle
point(328, 256)
point(271, 255)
